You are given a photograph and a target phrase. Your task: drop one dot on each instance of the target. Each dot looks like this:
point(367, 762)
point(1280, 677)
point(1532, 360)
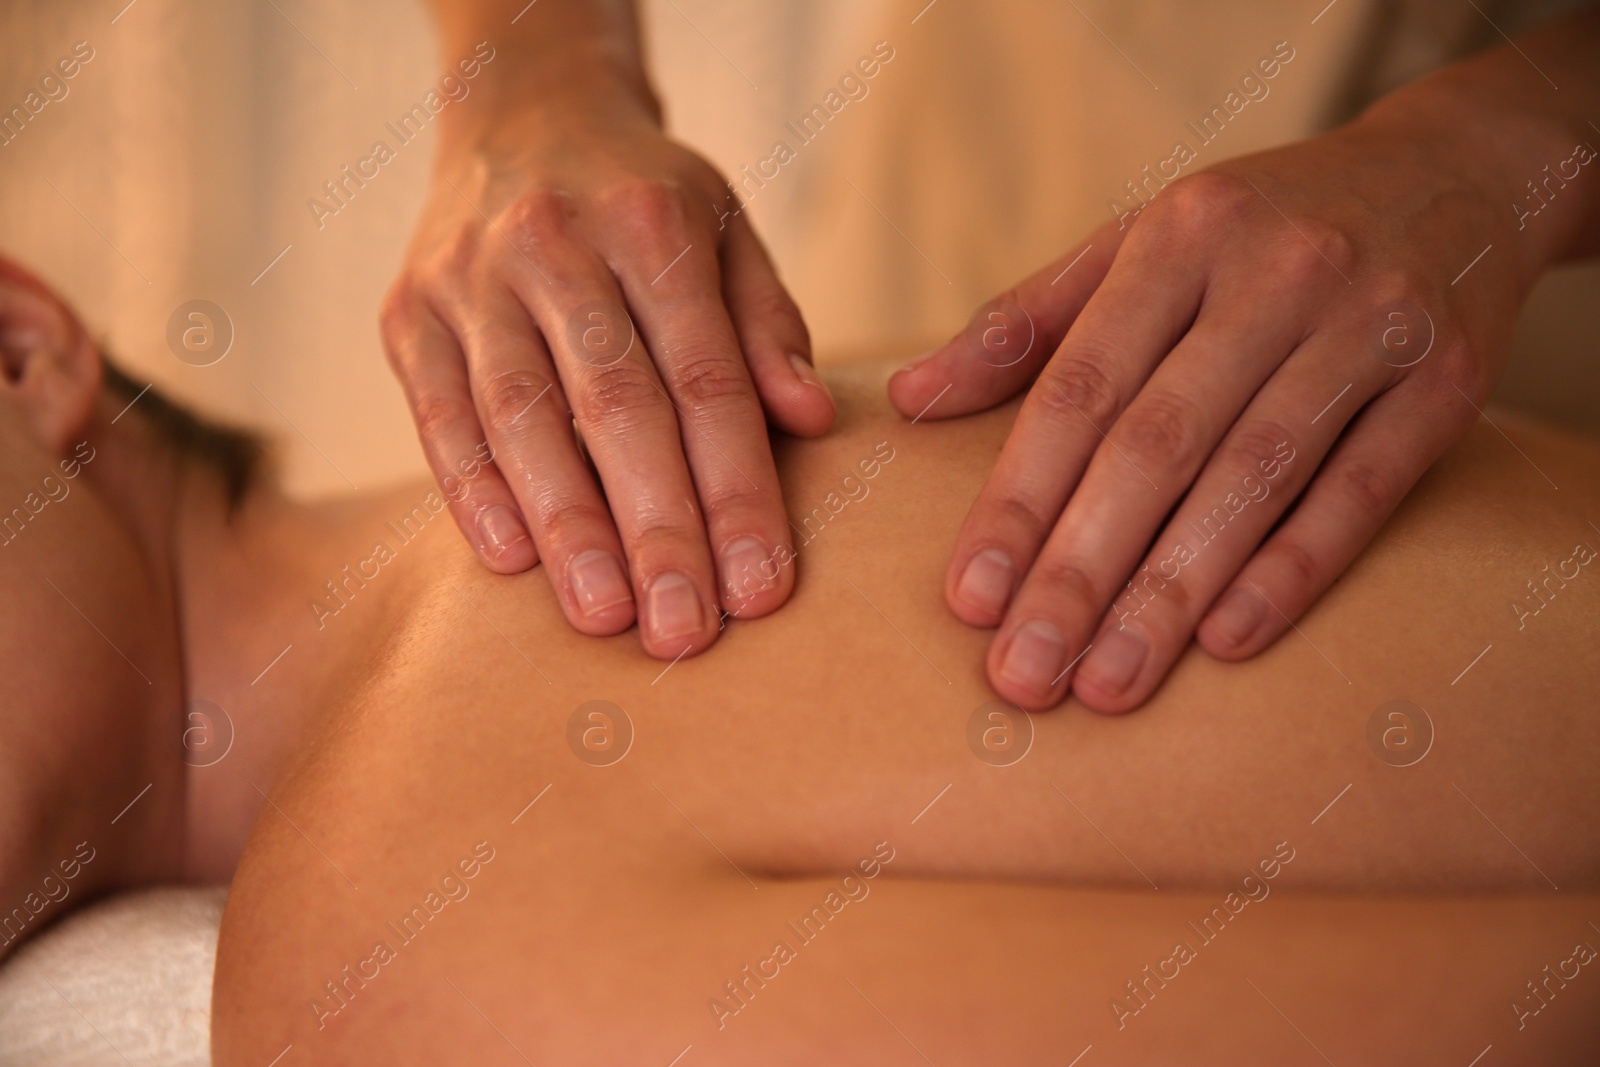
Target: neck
point(241, 580)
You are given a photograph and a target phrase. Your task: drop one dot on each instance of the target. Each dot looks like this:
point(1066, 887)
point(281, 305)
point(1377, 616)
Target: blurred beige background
point(180, 164)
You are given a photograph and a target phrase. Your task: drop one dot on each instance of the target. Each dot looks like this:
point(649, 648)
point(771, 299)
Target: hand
point(1310, 326)
point(575, 265)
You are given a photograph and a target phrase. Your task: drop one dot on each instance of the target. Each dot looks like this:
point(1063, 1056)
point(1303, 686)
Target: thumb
point(1008, 340)
point(773, 336)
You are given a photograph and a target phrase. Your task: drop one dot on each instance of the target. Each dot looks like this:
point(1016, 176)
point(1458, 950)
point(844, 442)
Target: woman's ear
point(49, 367)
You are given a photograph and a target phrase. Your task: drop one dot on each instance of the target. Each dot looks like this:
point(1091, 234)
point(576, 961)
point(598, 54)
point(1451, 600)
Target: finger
point(773, 336)
point(1381, 456)
point(1109, 353)
point(433, 373)
point(1248, 483)
point(530, 427)
point(1008, 340)
point(1141, 469)
point(1164, 440)
point(672, 279)
point(629, 427)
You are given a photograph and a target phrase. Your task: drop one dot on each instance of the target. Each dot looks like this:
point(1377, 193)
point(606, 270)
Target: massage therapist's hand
point(1228, 397)
point(573, 264)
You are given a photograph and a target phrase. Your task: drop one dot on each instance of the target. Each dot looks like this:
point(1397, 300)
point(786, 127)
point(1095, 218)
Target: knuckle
point(1334, 242)
point(1180, 599)
point(1297, 263)
point(1370, 492)
point(1257, 442)
point(398, 315)
point(711, 380)
point(1392, 285)
point(1463, 368)
point(1162, 429)
point(507, 396)
point(437, 413)
point(1007, 299)
point(569, 523)
point(456, 254)
point(1202, 203)
point(1079, 387)
point(1304, 570)
point(654, 207)
point(1064, 581)
point(735, 499)
point(771, 316)
point(1009, 511)
point(662, 541)
point(774, 306)
point(1150, 587)
point(621, 390)
point(1311, 251)
point(538, 217)
point(1406, 325)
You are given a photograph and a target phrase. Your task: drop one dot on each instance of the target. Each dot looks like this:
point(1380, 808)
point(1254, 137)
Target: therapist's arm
point(574, 264)
point(1231, 391)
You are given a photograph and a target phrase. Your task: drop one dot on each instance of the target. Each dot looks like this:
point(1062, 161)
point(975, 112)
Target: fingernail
point(1035, 657)
point(1115, 661)
point(597, 581)
point(673, 607)
point(743, 564)
point(500, 528)
point(986, 583)
point(1238, 616)
point(808, 374)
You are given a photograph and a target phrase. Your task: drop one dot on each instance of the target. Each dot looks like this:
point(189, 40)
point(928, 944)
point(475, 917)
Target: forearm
point(1519, 118)
point(557, 54)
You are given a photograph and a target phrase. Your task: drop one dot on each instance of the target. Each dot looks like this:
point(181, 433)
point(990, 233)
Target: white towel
point(124, 983)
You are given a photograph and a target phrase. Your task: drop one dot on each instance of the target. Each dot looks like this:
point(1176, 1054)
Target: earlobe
point(49, 367)
point(67, 392)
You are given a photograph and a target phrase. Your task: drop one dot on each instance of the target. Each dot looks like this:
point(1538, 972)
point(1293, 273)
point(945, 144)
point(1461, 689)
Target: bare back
point(856, 723)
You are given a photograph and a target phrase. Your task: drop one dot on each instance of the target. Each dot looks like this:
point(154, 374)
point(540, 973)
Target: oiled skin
point(617, 906)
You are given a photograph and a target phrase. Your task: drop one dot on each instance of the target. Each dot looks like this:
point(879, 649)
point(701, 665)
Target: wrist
point(1479, 138)
point(590, 85)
